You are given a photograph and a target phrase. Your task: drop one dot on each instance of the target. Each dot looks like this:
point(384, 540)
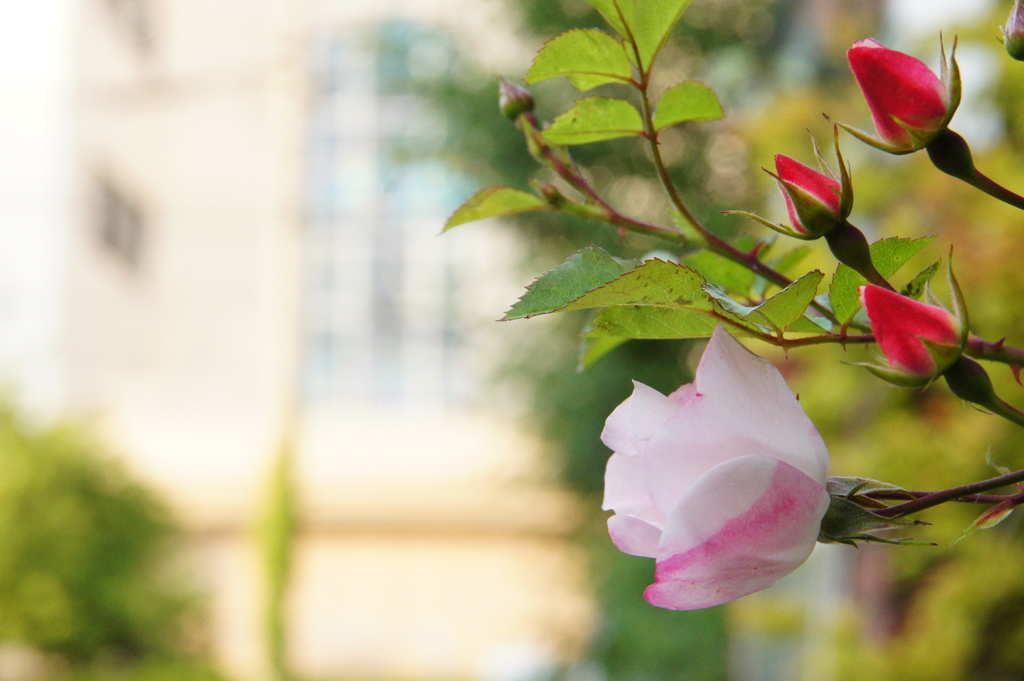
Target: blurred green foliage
point(276, 538)
point(88, 571)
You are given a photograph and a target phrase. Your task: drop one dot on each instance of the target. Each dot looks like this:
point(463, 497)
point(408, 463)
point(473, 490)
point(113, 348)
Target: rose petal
point(822, 187)
point(634, 536)
point(683, 394)
point(743, 526)
point(625, 490)
point(742, 407)
point(634, 421)
point(899, 323)
point(897, 86)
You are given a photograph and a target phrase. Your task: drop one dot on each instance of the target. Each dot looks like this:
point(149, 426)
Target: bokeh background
point(259, 421)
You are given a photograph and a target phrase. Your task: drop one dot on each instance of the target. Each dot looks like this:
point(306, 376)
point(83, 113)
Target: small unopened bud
point(1013, 32)
point(970, 382)
point(850, 247)
point(513, 99)
point(852, 515)
point(812, 198)
point(551, 193)
point(950, 153)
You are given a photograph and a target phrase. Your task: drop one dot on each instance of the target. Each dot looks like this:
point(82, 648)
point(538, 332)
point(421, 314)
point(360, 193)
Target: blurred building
point(219, 240)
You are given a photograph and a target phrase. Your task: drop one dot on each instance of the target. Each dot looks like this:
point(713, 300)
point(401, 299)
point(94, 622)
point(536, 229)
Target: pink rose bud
point(513, 99)
point(723, 482)
point(818, 203)
point(1013, 32)
point(909, 104)
point(812, 198)
point(920, 341)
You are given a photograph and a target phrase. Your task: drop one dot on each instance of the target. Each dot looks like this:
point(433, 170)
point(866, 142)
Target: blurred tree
point(87, 570)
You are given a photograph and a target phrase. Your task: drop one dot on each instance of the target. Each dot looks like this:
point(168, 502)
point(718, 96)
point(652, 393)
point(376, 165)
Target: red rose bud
point(513, 99)
point(812, 198)
point(920, 341)
point(1013, 32)
point(909, 104)
point(817, 203)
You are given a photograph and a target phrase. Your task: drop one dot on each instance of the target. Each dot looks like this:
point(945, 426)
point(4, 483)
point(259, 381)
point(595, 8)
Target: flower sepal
point(897, 377)
point(851, 516)
point(774, 226)
point(845, 181)
point(918, 141)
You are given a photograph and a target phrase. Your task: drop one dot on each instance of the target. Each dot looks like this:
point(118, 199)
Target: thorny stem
point(955, 494)
point(994, 351)
point(904, 495)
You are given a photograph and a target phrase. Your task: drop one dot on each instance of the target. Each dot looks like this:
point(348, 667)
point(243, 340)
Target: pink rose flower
point(918, 340)
point(812, 198)
point(722, 482)
point(909, 104)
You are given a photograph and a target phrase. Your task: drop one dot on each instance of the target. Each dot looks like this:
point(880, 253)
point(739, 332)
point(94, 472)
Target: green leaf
point(653, 20)
point(594, 119)
point(789, 304)
point(810, 325)
point(495, 201)
point(645, 23)
point(728, 303)
point(593, 349)
point(790, 259)
point(843, 293)
point(988, 519)
point(587, 56)
point(658, 299)
point(888, 255)
point(609, 9)
point(915, 288)
point(655, 282)
point(638, 321)
point(584, 271)
point(781, 310)
point(725, 273)
point(687, 101)
point(782, 263)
